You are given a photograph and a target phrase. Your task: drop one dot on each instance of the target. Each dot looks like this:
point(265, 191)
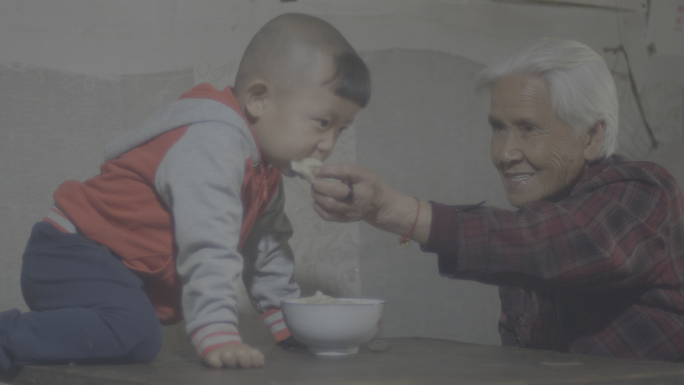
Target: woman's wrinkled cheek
point(565, 166)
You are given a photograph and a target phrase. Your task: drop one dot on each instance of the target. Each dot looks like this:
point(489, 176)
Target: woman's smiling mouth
point(516, 179)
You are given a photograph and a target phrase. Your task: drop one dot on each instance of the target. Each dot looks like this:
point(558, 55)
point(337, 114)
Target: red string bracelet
point(405, 239)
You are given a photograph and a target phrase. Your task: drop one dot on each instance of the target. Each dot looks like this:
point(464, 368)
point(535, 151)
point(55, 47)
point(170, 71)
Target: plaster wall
point(75, 74)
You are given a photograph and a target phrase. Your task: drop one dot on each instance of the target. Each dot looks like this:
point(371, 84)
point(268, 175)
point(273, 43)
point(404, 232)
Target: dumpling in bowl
point(304, 167)
point(322, 299)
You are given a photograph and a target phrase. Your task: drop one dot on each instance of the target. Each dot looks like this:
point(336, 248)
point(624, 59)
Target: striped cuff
point(214, 336)
point(59, 220)
point(276, 324)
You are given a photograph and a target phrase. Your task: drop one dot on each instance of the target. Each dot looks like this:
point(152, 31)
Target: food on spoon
point(304, 167)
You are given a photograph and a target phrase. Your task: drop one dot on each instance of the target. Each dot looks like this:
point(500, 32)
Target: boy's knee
point(149, 344)
point(138, 333)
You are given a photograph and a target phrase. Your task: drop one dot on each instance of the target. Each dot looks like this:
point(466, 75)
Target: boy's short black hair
point(352, 78)
point(286, 47)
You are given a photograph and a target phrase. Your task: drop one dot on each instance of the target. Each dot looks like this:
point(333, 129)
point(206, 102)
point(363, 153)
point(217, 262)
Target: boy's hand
point(233, 356)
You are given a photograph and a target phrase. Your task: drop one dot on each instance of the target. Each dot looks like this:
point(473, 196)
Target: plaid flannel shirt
point(600, 272)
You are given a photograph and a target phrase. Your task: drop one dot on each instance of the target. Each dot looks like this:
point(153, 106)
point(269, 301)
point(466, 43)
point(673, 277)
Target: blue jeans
point(86, 306)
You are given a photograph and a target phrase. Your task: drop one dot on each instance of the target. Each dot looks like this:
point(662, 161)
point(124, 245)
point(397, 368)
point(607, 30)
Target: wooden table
point(404, 361)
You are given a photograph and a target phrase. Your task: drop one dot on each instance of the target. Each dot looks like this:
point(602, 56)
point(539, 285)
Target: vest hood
point(177, 114)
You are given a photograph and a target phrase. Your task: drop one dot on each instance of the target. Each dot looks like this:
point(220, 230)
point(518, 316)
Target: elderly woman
point(592, 260)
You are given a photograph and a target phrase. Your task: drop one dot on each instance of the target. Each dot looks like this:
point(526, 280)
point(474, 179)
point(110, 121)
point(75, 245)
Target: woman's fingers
point(372, 200)
point(333, 189)
point(357, 198)
point(331, 204)
point(343, 171)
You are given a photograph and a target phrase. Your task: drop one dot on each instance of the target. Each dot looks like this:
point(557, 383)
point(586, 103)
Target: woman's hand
point(373, 201)
point(371, 196)
point(233, 356)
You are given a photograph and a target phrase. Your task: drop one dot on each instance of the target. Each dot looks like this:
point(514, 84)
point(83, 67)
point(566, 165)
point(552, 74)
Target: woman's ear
point(256, 95)
point(594, 143)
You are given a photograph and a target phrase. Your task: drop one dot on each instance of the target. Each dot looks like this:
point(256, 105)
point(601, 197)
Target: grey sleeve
point(269, 261)
point(200, 179)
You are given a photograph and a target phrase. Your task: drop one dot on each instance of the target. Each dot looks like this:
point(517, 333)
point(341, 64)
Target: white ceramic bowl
point(333, 329)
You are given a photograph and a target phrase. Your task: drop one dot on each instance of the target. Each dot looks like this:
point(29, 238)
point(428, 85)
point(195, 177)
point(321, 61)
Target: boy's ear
point(258, 92)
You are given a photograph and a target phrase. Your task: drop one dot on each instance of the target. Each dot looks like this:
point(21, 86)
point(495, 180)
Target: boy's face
point(303, 123)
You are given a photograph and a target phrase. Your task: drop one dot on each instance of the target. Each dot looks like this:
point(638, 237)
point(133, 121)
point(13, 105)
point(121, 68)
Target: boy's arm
point(200, 179)
point(269, 265)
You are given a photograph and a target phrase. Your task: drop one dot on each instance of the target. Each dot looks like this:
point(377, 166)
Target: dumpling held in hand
point(304, 167)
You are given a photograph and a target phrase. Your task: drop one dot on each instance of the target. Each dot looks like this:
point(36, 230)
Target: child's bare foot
point(233, 356)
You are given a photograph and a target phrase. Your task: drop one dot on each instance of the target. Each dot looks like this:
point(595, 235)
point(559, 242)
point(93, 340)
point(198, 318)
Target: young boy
point(183, 207)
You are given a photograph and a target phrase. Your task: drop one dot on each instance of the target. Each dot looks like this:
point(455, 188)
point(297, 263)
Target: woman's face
point(538, 156)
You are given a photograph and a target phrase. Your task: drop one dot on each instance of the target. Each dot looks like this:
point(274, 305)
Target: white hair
point(580, 86)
